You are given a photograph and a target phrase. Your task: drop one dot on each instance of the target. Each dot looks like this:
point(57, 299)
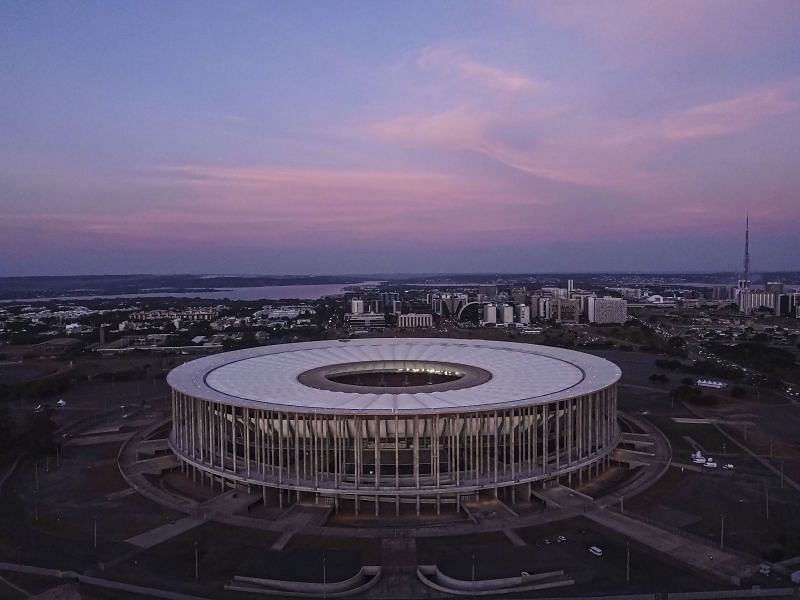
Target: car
point(61, 403)
point(710, 465)
point(727, 466)
point(561, 538)
point(524, 574)
point(547, 541)
point(39, 408)
point(596, 550)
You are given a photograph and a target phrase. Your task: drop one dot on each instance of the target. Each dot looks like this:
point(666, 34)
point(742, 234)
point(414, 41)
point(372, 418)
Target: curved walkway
point(133, 471)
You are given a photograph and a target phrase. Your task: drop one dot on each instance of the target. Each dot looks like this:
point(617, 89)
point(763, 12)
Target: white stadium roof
point(267, 377)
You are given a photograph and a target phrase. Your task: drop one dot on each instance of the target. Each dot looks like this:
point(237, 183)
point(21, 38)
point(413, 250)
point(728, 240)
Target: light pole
point(721, 531)
point(95, 531)
point(473, 567)
point(627, 562)
point(196, 564)
point(324, 576)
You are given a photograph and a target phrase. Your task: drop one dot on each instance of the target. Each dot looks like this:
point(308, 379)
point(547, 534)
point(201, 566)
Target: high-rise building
point(786, 304)
point(490, 313)
point(556, 292)
point(356, 306)
point(389, 297)
point(722, 292)
point(452, 304)
point(565, 311)
point(522, 314)
point(583, 301)
point(544, 307)
point(607, 310)
point(505, 313)
point(519, 294)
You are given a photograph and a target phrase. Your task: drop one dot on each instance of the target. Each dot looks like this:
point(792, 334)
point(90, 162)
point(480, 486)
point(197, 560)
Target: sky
point(405, 136)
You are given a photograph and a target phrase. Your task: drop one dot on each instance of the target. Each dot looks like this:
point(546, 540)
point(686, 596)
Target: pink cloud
point(574, 144)
point(730, 115)
point(447, 60)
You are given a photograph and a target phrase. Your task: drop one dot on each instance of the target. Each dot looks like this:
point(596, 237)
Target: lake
point(263, 292)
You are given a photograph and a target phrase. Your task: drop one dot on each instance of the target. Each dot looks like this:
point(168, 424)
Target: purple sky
point(339, 137)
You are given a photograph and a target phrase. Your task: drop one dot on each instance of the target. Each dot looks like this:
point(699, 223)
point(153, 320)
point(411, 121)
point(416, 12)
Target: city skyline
point(367, 138)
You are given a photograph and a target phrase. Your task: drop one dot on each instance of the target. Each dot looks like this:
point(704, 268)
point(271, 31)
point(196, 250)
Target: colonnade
point(395, 457)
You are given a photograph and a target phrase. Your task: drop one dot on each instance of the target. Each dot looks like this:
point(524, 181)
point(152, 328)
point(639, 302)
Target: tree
point(685, 392)
point(687, 381)
point(737, 391)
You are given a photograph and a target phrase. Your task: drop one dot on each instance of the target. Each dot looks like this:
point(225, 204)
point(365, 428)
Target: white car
point(61, 403)
point(596, 550)
point(727, 466)
point(710, 465)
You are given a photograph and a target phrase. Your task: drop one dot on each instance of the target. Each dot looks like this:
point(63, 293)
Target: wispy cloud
point(731, 115)
point(448, 60)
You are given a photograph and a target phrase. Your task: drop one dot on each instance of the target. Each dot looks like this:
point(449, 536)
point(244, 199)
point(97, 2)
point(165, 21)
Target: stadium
point(391, 425)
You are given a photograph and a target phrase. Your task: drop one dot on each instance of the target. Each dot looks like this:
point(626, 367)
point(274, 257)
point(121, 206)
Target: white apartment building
point(505, 313)
point(490, 313)
point(522, 314)
point(356, 306)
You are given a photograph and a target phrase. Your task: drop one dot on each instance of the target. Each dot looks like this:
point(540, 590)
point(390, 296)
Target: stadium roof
point(267, 377)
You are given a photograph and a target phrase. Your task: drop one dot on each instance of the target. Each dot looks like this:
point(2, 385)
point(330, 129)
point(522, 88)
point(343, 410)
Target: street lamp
point(324, 576)
point(196, 564)
point(628, 563)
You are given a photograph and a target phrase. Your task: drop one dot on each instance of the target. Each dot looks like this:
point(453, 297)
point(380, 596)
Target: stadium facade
point(384, 424)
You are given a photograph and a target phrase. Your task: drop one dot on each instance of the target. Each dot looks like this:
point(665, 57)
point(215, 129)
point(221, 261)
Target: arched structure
point(395, 421)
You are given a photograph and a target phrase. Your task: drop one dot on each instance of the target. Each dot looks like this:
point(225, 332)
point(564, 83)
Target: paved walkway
point(161, 534)
point(697, 555)
point(567, 504)
point(399, 574)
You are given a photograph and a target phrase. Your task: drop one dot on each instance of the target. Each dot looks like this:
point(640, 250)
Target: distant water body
point(263, 292)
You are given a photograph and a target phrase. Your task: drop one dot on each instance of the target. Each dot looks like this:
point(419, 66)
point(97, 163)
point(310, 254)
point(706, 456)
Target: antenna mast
point(747, 253)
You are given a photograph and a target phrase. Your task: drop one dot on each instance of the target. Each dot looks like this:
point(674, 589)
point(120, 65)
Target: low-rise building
point(415, 321)
point(365, 321)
